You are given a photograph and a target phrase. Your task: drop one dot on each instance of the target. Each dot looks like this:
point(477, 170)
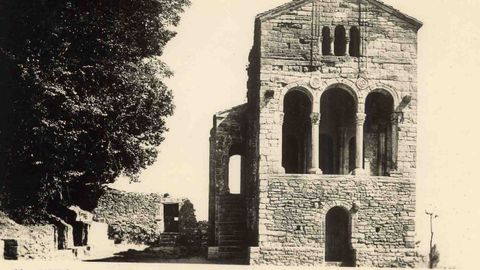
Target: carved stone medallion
point(315, 82)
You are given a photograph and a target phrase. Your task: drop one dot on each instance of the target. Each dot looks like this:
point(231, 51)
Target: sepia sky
point(209, 56)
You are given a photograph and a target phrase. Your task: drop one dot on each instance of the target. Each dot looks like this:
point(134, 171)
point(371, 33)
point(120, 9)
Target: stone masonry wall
point(132, 217)
point(30, 242)
point(227, 138)
point(291, 58)
point(293, 210)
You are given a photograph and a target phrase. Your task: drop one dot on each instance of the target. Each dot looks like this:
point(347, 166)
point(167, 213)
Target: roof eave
point(269, 14)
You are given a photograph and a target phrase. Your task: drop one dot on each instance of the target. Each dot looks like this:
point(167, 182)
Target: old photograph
point(204, 134)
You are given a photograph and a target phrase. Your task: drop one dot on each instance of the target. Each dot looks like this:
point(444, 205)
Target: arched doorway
point(378, 132)
point(337, 124)
point(296, 132)
point(338, 236)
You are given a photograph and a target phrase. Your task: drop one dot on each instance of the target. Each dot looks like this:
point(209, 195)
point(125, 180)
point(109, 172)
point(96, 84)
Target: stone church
point(327, 140)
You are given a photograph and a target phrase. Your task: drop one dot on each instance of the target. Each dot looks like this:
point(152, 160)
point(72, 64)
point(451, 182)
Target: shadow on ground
point(163, 255)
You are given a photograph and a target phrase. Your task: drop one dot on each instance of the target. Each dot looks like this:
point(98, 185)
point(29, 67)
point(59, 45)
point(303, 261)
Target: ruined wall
point(132, 217)
point(293, 210)
point(28, 242)
point(227, 138)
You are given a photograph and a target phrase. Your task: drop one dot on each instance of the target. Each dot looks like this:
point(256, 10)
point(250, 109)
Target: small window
point(354, 48)
point(340, 41)
point(326, 41)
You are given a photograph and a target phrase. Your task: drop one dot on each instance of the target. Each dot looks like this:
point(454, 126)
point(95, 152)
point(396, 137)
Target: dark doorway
point(352, 145)
point(170, 217)
point(337, 242)
point(338, 109)
point(297, 129)
point(378, 132)
point(326, 154)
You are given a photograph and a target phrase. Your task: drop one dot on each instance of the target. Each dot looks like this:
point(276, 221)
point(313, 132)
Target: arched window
point(378, 133)
point(235, 174)
point(296, 132)
point(354, 48)
point(338, 108)
point(340, 41)
point(326, 41)
point(338, 236)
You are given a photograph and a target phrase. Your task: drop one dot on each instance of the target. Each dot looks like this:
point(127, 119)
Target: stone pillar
point(360, 121)
point(347, 42)
point(314, 164)
point(343, 150)
point(394, 141)
point(279, 116)
point(332, 42)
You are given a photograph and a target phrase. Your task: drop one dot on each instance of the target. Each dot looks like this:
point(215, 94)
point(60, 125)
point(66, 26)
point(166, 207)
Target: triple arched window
point(340, 41)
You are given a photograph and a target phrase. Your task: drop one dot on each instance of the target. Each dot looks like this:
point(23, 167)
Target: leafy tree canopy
point(82, 95)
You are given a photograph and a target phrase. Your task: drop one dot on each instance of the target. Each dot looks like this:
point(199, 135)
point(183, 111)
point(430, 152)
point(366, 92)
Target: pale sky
point(209, 56)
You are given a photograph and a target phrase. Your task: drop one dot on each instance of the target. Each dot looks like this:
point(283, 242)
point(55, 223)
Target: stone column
point(359, 144)
point(279, 116)
point(394, 141)
point(332, 42)
point(343, 150)
point(314, 165)
point(347, 42)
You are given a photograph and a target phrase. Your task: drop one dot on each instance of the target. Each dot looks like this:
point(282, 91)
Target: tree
point(82, 84)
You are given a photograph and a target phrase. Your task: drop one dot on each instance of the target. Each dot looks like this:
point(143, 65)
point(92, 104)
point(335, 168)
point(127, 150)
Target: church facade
point(327, 140)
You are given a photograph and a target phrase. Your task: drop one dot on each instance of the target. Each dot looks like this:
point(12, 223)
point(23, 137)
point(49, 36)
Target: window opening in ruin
point(337, 124)
point(296, 132)
point(235, 174)
point(340, 43)
point(326, 41)
point(354, 47)
point(378, 133)
point(337, 235)
point(170, 217)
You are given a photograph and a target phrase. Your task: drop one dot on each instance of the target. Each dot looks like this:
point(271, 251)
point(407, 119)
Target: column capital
point(315, 118)
point(360, 118)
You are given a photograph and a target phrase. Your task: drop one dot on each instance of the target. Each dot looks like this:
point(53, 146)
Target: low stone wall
point(296, 256)
point(35, 242)
point(293, 210)
point(132, 217)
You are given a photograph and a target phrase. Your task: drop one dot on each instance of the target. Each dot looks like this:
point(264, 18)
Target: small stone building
point(141, 218)
point(327, 140)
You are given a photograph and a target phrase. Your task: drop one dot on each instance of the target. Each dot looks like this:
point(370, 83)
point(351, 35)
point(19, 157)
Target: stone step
point(64, 255)
point(333, 264)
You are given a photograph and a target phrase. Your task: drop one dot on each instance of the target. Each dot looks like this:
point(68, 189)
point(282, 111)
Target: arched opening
point(337, 124)
point(340, 43)
point(354, 47)
point(338, 236)
point(378, 133)
point(326, 41)
point(296, 134)
point(235, 174)
point(235, 169)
